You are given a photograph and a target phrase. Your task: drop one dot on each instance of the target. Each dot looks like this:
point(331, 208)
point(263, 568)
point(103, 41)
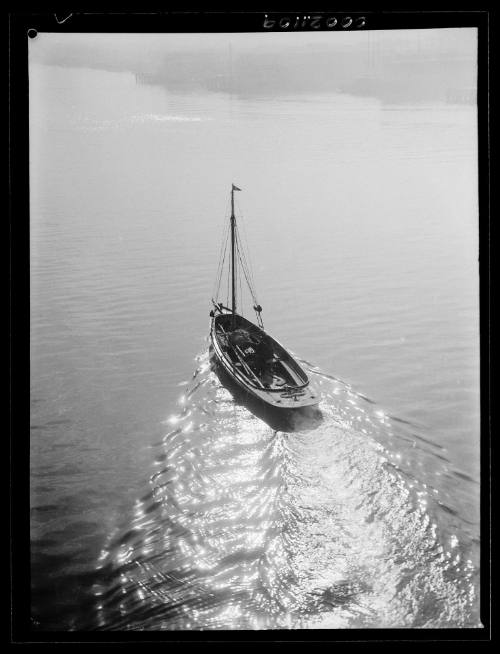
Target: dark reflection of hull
point(280, 419)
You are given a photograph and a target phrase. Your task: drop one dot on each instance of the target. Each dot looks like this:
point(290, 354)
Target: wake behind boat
point(251, 364)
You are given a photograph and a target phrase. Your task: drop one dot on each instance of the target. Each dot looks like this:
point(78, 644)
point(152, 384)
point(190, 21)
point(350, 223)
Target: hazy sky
point(123, 50)
point(395, 65)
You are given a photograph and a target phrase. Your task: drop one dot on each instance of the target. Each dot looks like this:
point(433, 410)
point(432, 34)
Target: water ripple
point(245, 528)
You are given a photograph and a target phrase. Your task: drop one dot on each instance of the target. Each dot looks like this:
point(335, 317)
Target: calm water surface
point(156, 502)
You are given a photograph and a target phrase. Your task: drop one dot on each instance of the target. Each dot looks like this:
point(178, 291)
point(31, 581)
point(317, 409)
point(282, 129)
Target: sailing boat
point(258, 371)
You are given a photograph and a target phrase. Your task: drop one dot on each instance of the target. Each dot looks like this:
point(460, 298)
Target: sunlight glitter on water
point(250, 528)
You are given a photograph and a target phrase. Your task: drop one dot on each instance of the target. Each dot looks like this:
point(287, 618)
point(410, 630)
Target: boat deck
point(276, 373)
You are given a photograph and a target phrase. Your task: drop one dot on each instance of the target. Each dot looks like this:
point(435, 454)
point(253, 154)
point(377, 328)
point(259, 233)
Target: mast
point(233, 267)
point(233, 248)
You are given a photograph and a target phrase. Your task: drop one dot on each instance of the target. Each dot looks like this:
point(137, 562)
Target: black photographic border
point(24, 25)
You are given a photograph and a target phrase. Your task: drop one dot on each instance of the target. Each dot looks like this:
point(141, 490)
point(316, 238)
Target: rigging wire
point(245, 247)
point(222, 259)
point(245, 270)
point(241, 256)
point(241, 297)
point(228, 284)
point(222, 253)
